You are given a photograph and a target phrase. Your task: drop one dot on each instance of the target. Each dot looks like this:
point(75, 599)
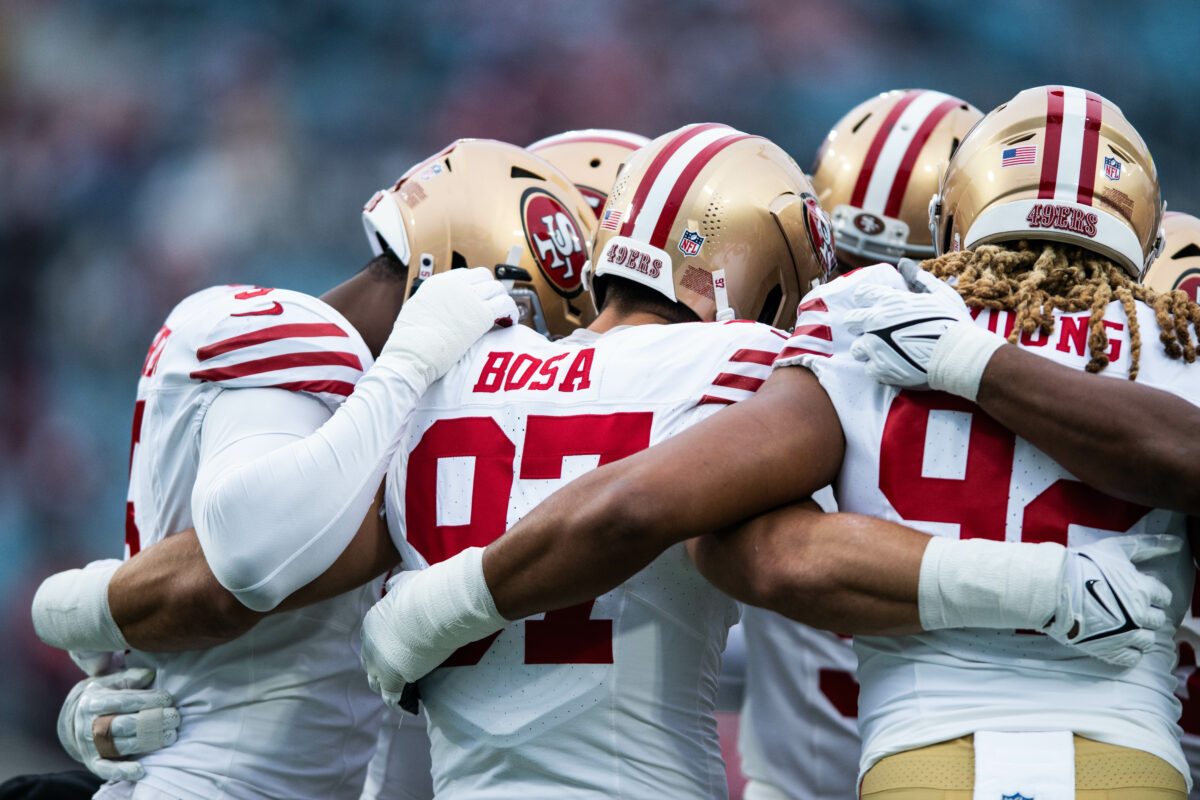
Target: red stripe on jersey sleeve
point(344, 388)
point(731, 380)
point(816, 304)
point(708, 398)
point(816, 331)
point(323, 358)
point(791, 352)
point(271, 334)
point(748, 356)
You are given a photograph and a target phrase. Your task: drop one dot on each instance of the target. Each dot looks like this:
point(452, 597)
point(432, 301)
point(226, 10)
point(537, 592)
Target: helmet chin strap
point(721, 295)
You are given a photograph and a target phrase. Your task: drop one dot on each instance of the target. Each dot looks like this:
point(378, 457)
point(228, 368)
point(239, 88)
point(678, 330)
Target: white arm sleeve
point(279, 495)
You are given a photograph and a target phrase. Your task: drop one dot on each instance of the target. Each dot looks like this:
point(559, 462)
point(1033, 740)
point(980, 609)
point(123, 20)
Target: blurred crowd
point(150, 149)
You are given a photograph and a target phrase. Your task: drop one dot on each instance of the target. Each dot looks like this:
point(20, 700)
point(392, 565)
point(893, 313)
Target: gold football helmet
point(481, 202)
point(589, 157)
point(1179, 265)
point(1054, 163)
point(878, 167)
point(718, 220)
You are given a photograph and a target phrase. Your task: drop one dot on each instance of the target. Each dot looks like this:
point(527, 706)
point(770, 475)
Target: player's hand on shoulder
point(922, 338)
point(108, 719)
point(1107, 609)
point(447, 315)
point(898, 329)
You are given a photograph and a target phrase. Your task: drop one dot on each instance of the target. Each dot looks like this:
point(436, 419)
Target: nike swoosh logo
point(1091, 589)
point(1127, 625)
point(275, 309)
point(886, 335)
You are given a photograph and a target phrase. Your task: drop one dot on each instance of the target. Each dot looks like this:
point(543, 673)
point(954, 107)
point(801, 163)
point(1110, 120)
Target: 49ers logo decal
point(820, 234)
point(555, 241)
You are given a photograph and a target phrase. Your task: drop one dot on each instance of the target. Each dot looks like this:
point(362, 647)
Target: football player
point(876, 172)
point(590, 158)
point(225, 417)
point(613, 697)
point(933, 460)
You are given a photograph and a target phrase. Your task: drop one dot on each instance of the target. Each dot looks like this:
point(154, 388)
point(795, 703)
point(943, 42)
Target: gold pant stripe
point(946, 771)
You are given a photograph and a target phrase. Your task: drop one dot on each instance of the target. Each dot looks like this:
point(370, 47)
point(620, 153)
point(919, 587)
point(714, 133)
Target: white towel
point(1024, 765)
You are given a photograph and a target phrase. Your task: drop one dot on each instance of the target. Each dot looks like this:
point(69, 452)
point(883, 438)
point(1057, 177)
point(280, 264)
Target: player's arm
point(1126, 439)
point(861, 575)
point(847, 573)
point(166, 597)
point(273, 521)
point(281, 490)
point(171, 596)
point(175, 595)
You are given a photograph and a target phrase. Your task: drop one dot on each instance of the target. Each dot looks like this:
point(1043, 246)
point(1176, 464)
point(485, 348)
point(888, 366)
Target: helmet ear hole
point(1191, 251)
point(520, 172)
point(770, 309)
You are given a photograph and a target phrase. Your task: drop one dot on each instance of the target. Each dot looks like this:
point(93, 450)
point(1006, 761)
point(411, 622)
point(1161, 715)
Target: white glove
point(923, 338)
point(144, 720)
point(1106, 608)
point(447, 315)
point(425, 616)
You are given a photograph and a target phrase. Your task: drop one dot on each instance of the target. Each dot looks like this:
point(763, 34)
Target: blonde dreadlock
point(1034, 278)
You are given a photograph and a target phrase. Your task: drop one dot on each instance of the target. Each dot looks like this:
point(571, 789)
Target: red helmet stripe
point(889, 122)
point(1091, 144)
point(656, 166)
point(1052, 143)
point(904, 172)
point(683, 183)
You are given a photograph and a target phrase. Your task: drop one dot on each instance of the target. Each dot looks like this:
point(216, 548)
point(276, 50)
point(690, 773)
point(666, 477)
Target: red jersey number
point(978, 502)
point(566, 636)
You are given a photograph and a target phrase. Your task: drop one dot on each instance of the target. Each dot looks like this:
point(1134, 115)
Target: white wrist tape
point(444, 607)
point(70, 609)
point(978, 583)
point(959, 358)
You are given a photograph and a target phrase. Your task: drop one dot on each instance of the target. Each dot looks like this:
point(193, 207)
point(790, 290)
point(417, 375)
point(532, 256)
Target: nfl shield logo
point(1112, 169)
point(1017, 796)
point(690, 243)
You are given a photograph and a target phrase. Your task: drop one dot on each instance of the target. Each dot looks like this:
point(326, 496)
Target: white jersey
point(799, 731)
point(283, 711)
point(938, 463)
point(612, 698)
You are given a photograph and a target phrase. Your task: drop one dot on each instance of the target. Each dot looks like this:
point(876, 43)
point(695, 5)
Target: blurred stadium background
point(149, 149)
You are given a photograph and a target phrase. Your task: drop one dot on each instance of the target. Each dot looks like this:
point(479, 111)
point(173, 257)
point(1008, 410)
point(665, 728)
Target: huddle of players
point(614, 695)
